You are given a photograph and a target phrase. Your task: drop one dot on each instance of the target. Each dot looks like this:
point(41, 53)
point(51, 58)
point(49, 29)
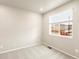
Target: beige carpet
point(36, 52)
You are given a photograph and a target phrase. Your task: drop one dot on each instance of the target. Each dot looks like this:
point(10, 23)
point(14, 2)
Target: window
point(61, 24)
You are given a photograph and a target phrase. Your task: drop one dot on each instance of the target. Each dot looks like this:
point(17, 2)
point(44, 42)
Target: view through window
point(61, 23)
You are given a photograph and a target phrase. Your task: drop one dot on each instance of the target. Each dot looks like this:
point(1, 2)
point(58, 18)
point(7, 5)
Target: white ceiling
point(35, 5)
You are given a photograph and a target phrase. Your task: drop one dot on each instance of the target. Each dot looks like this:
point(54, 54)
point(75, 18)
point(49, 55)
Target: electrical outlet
point(76, 50)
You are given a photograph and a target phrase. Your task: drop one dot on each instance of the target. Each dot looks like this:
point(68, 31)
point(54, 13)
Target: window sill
point(62, 36)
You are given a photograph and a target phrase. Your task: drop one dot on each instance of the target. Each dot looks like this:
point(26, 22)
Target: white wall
point(18, 28)
point(76, 28)
point(67, 45)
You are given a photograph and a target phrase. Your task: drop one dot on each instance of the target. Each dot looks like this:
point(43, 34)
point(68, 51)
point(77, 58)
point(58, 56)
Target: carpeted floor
point(36, 52)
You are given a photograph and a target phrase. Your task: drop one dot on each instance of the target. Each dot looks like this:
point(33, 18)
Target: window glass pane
point(61, 23)
point(60, 17)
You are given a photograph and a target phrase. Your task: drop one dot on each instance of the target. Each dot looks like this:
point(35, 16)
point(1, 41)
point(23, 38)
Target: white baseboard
point(29, 45)
point(46, 44)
